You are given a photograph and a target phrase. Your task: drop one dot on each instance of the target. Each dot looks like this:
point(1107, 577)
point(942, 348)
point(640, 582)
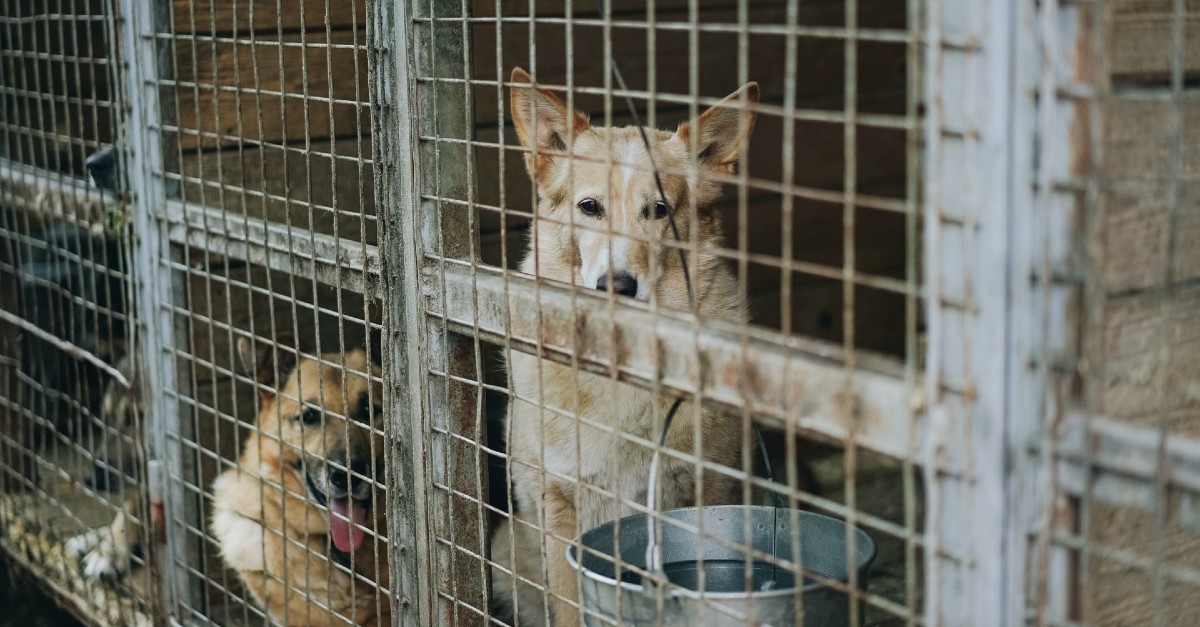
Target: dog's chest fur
point(593, 448)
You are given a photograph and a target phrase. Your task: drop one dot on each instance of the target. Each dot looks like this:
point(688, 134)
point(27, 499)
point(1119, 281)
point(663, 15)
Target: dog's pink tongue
point(346, 519)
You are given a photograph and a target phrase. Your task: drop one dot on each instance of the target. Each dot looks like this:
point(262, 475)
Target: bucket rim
point(868, 557)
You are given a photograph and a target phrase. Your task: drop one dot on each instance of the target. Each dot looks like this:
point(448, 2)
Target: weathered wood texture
point(1118, 593)
point(56, 105)
point(329, 189)
point(227, 302)
point(1139, 39)
point(1136, 333)
point(243, 16)
point(1142, 340)
point(278, 89)
point(821, 61)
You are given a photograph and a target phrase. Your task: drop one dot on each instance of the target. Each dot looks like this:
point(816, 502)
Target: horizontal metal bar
point(52, 193)
point(1122, 460)
point(325, 258)
point(777, 378)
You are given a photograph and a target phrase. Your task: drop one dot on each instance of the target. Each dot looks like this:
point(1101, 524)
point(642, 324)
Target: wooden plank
point(230, 100)
point(778, 379)
point(621, 9)
point(1141, 537)
point(243, 16)
point(1136, 232)
point(228, 302)
point(821, 60)
point(330, 189)
point(1139, 41)
point(1137, 140)
point(1131, 371)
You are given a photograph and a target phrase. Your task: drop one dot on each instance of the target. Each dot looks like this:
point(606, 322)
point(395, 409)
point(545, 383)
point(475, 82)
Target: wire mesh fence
point(340, 312)
point(1125, 506)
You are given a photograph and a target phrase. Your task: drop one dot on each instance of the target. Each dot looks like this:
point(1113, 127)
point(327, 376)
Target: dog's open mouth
point(347, 517)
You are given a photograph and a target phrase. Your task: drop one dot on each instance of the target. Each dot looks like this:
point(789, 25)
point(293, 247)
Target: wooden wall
point(1143, 301)
point(54, 84)
point(272, 112)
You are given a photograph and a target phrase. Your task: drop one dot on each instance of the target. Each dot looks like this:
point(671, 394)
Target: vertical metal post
point(395, 55)
point(450, 369)
point(983, 397)
point(156, 287)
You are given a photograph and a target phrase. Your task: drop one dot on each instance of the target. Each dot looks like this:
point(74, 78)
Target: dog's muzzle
point(623, 284)
point(347, 496)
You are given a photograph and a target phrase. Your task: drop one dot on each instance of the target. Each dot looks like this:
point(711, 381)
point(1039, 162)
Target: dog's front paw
point(106, 561)
point(82, 544)
point(99, 556)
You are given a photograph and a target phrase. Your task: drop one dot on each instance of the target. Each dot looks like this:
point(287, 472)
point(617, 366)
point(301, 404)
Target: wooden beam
point(277, 90)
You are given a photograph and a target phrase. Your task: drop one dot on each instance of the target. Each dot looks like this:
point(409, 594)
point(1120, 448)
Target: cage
point(317, 312)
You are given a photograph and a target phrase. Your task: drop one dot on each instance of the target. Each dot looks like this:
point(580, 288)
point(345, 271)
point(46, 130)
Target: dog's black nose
point(623, 284)
point(349, 482)
point(102, 165)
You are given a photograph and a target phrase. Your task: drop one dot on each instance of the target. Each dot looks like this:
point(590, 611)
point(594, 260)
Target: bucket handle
point(654, 560)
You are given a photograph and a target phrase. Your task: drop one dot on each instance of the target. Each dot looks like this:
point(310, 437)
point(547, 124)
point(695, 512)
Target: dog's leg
point(107, 551)
point(560, 524)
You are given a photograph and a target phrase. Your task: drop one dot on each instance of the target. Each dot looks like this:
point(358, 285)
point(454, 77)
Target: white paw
point(81, 544)
point(99, 556)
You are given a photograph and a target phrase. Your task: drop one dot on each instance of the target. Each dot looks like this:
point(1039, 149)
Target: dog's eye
point(590, 207)
point(660, 210)
point(311, 416)
point(366, 415)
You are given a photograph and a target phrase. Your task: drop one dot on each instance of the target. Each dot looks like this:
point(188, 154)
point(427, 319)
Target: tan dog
point(569, 476)
point(301, 518)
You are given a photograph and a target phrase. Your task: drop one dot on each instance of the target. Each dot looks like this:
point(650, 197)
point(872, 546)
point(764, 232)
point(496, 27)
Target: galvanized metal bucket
point(772, 599)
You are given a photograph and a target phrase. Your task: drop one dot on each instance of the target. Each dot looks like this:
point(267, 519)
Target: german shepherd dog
point(600, 223)
point(301, 518)
point(108, 552)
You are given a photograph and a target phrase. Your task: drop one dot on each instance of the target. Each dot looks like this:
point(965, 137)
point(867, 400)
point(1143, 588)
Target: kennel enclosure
point(968, 232)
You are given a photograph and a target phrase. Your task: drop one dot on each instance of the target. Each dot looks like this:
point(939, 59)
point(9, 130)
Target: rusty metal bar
point(457, 430)
point(290, 249)
point(394, 149)
point(813, 394)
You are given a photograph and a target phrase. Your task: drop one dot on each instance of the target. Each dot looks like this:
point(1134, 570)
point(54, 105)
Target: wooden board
point(1137, 140)
point(1136, 235)
point(820, 61)
point(1117, 593)
point(244, 16)
point(265, 304)
point(329, 189)
point(228, 97)
point(1136, 330)
point(1139, 40)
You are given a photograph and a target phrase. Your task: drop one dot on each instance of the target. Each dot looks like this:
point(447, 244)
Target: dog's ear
point(722, 132)
point(542, 121)
point(272, 365)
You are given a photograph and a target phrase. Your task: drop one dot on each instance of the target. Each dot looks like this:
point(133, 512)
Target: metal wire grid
point(269, 225)
point(1125, 517)
point(70, 456)
point(473, 203)
point(58, 102)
